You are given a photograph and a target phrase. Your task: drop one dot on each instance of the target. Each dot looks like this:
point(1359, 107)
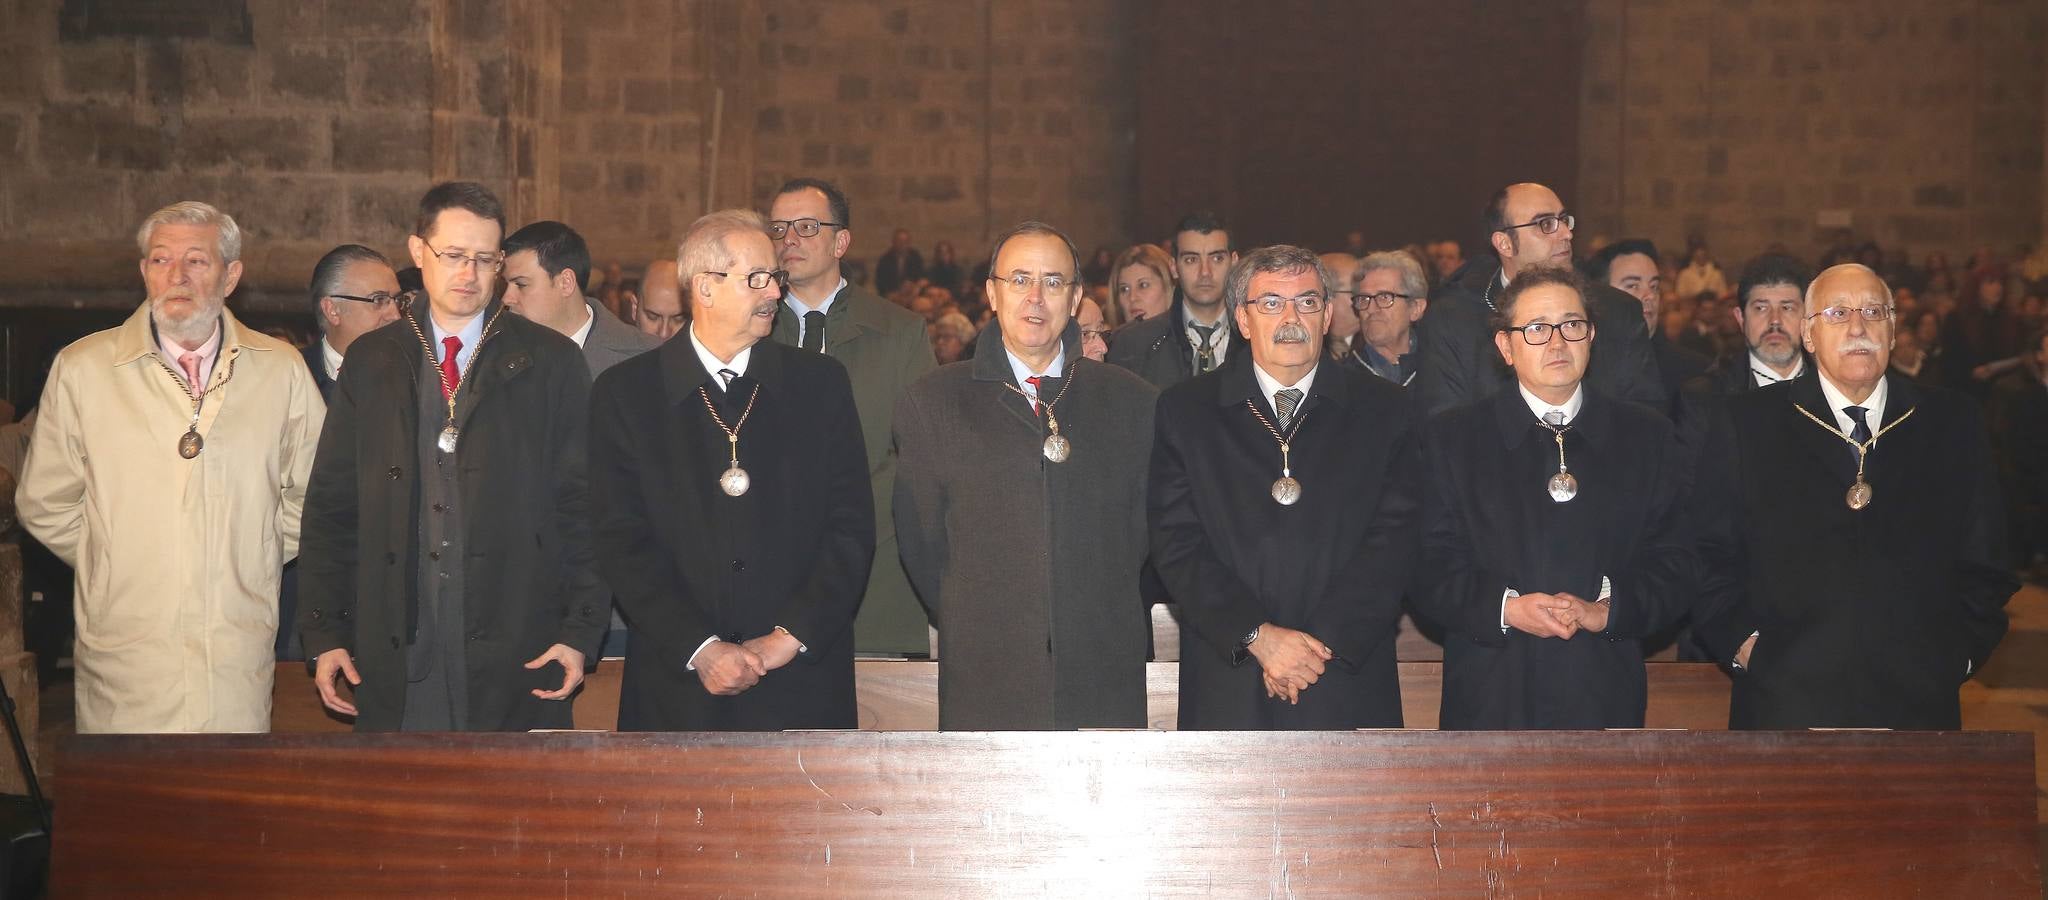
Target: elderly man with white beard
point(169, 466)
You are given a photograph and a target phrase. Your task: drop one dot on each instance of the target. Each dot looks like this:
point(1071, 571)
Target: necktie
point(1285, 403)
point(814, 332)
point(1860, 433)
point(451, 374)
point(725, 377)
point(1205, 355)
point(1033, 381)
point(190, 363)
point(1555, 418)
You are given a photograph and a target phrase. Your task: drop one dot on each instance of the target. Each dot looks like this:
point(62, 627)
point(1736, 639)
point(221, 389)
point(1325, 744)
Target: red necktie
point(1033, 381)
point(451, 374)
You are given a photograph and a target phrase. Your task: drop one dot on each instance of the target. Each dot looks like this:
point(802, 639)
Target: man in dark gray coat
point(1020, 509)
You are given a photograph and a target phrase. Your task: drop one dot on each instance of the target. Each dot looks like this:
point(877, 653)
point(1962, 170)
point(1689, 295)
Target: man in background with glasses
point(446, 573)
point(884, 348)
point(1288, 564)
point(1852, 533)
point(1389, 293)
point(1528, 228)
point(354, 291)
point(1553, 538)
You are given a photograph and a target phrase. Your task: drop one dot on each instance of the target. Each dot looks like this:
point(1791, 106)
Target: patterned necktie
point(1555, 418)
point(814, 332)
point(1205, 354)
point(1033, 381)
point(452, 373)
point(190, 363)
point(725, 377)
point(1285, 402)
point(1859, 434)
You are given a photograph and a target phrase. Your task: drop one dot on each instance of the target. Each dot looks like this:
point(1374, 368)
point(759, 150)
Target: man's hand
point(1281, 690)
point(1742, 655)
point(728, 669)
point(776, 648)
point(325, 667)
point(572, 675)
point(1571, 610)
point(1289, 658)
point(1536, 614)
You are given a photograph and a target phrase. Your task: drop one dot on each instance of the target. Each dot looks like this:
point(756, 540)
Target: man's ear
point(841, 240)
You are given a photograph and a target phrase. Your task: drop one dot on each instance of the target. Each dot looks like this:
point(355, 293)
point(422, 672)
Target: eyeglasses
point(484, 262)
point(1383, 300)
point(1100, 334)
point(1536, 334)
point(1053, 282)
point(804, 227)
point(378, 300)
point(1839, 315)
point(1548, 223)
point(1271, 304)
point(759, 278)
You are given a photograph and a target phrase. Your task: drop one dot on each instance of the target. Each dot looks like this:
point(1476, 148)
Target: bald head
point(660, 311)
point(1518, 217)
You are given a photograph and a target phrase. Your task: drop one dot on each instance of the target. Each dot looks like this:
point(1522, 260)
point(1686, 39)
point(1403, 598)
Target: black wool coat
point(1866, 618)
point(688, 562)
point(1334, 564)
point(523, 479)
point(1029, 568)
point(1490, 526)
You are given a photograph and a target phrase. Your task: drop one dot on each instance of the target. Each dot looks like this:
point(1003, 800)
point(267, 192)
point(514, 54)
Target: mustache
point(1853, 344)
point(1290, 333)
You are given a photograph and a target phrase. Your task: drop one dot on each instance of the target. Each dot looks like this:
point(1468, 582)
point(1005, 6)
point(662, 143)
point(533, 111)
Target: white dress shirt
point(1838, 401)
point(799, 307)
point(1762, 373)
point(1219, 340)
point(1020, 371)
point(1269, 386)
point(330, 359)
point(738, 365)
point(583, 334)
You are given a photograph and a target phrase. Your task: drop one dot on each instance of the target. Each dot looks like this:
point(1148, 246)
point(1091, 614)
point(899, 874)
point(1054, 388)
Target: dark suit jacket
point(1334, 565)
point(1678, 364)
point(1866, 618)
point(316, 362)
point(1489, 525)
point(1461, 365)
point(1029, 567)
point(687, 562)
point(1157, 348)
point(611, 341)
point(528, 575)
point(1737, 375)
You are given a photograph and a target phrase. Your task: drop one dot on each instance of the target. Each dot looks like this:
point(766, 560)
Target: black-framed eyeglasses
point(1548, 223)
point(1100, 334)
point(1270, 305)
point(1383, 300)
point(1052, 282)
point(1536, 334)
point(484, 262)
point(1839, 315)
point(378, 300)
point(804, 227)
point(759, 278)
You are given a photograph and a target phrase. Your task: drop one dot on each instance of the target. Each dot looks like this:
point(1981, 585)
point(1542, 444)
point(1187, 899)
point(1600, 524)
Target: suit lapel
point(1826, 446)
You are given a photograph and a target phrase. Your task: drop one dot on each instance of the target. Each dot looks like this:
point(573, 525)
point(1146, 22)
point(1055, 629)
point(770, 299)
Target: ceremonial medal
point(1562, 487)
point(1860, 494)
point(449, 433)
point(190, 444)
point(446, 442)
point(734, 481)
point(1287, 490)
point(1056, 447)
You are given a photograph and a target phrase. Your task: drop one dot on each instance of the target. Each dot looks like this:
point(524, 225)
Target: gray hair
point(1284, 259)
point(1413, 282)
point(193, 212)
point(703, 247)
point(956, 324)
point(1882, 287)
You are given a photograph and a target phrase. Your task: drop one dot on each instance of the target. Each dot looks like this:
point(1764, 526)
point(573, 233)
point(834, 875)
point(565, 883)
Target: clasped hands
point(1289, 660)
point(1558, 615)
point(728, 669)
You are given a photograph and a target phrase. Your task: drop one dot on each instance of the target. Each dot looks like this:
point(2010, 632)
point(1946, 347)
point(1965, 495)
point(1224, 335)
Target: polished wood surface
point(1630, 813)
point(900, 695)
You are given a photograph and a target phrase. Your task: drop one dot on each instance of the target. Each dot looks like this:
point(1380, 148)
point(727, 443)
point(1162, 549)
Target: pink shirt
point(209, 352)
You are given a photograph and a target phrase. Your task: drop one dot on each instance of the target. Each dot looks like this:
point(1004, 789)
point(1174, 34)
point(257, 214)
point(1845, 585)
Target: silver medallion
point(1859, 495)
point(190, 443)
point(1057, 448)
point(1287, 491)
point(1563, 487)
point(734, 481)
point(447, 439)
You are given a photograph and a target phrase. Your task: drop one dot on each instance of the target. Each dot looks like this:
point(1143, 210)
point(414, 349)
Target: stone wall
point(1742, 120)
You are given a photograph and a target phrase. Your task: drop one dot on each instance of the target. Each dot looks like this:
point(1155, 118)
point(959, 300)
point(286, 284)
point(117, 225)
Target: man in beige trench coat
point(168, 466)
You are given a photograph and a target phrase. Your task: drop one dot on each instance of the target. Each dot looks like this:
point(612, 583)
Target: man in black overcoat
point(1849, 595)
point(734, 519)
point(1553, 541)
point(1291, 600)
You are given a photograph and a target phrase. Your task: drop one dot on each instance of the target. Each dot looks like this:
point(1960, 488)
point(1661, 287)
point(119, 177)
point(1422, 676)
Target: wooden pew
point(905, 814)
point(899, 695)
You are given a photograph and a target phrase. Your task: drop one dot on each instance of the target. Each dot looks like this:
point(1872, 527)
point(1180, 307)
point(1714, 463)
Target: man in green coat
point(884, 348)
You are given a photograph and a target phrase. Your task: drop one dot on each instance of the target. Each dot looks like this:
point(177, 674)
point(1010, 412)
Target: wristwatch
point(1244, 647)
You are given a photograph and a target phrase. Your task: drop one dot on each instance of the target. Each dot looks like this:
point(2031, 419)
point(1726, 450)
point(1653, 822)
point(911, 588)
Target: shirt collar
point(330, 358)
point(1022, 371)
point(1837, 401)
point(1269, 385)
point(738, 365)
point(589, 321)
point(472, 332)
point(1570, 408)
point(207, 352)
point(1762, 373)
point(797, 306)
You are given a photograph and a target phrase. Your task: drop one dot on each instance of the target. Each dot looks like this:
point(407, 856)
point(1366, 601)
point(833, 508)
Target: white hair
point(703, 247)
point(193, 212)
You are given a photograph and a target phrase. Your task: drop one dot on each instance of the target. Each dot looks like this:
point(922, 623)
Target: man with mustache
point(1852, 533)
point(1020, 509)
point(734, 519)
point(168, 466)
point(1283, 517)
point(1528, 227)
point(447, 567)
point(1195, 335)
point(1771, 310)
point(1552, 541)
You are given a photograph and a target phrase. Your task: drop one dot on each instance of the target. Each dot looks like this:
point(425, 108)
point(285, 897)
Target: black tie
point(1205, 355)
point(1860, 433)
point(814, 332)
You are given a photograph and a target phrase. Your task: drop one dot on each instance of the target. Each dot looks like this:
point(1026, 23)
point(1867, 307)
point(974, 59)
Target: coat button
point(395, 472)
point(343, 615)
point(434, 554)
point(440, 508)
point(739, 565)
point(316, 615)
point(394, 642)
point(475, 635)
